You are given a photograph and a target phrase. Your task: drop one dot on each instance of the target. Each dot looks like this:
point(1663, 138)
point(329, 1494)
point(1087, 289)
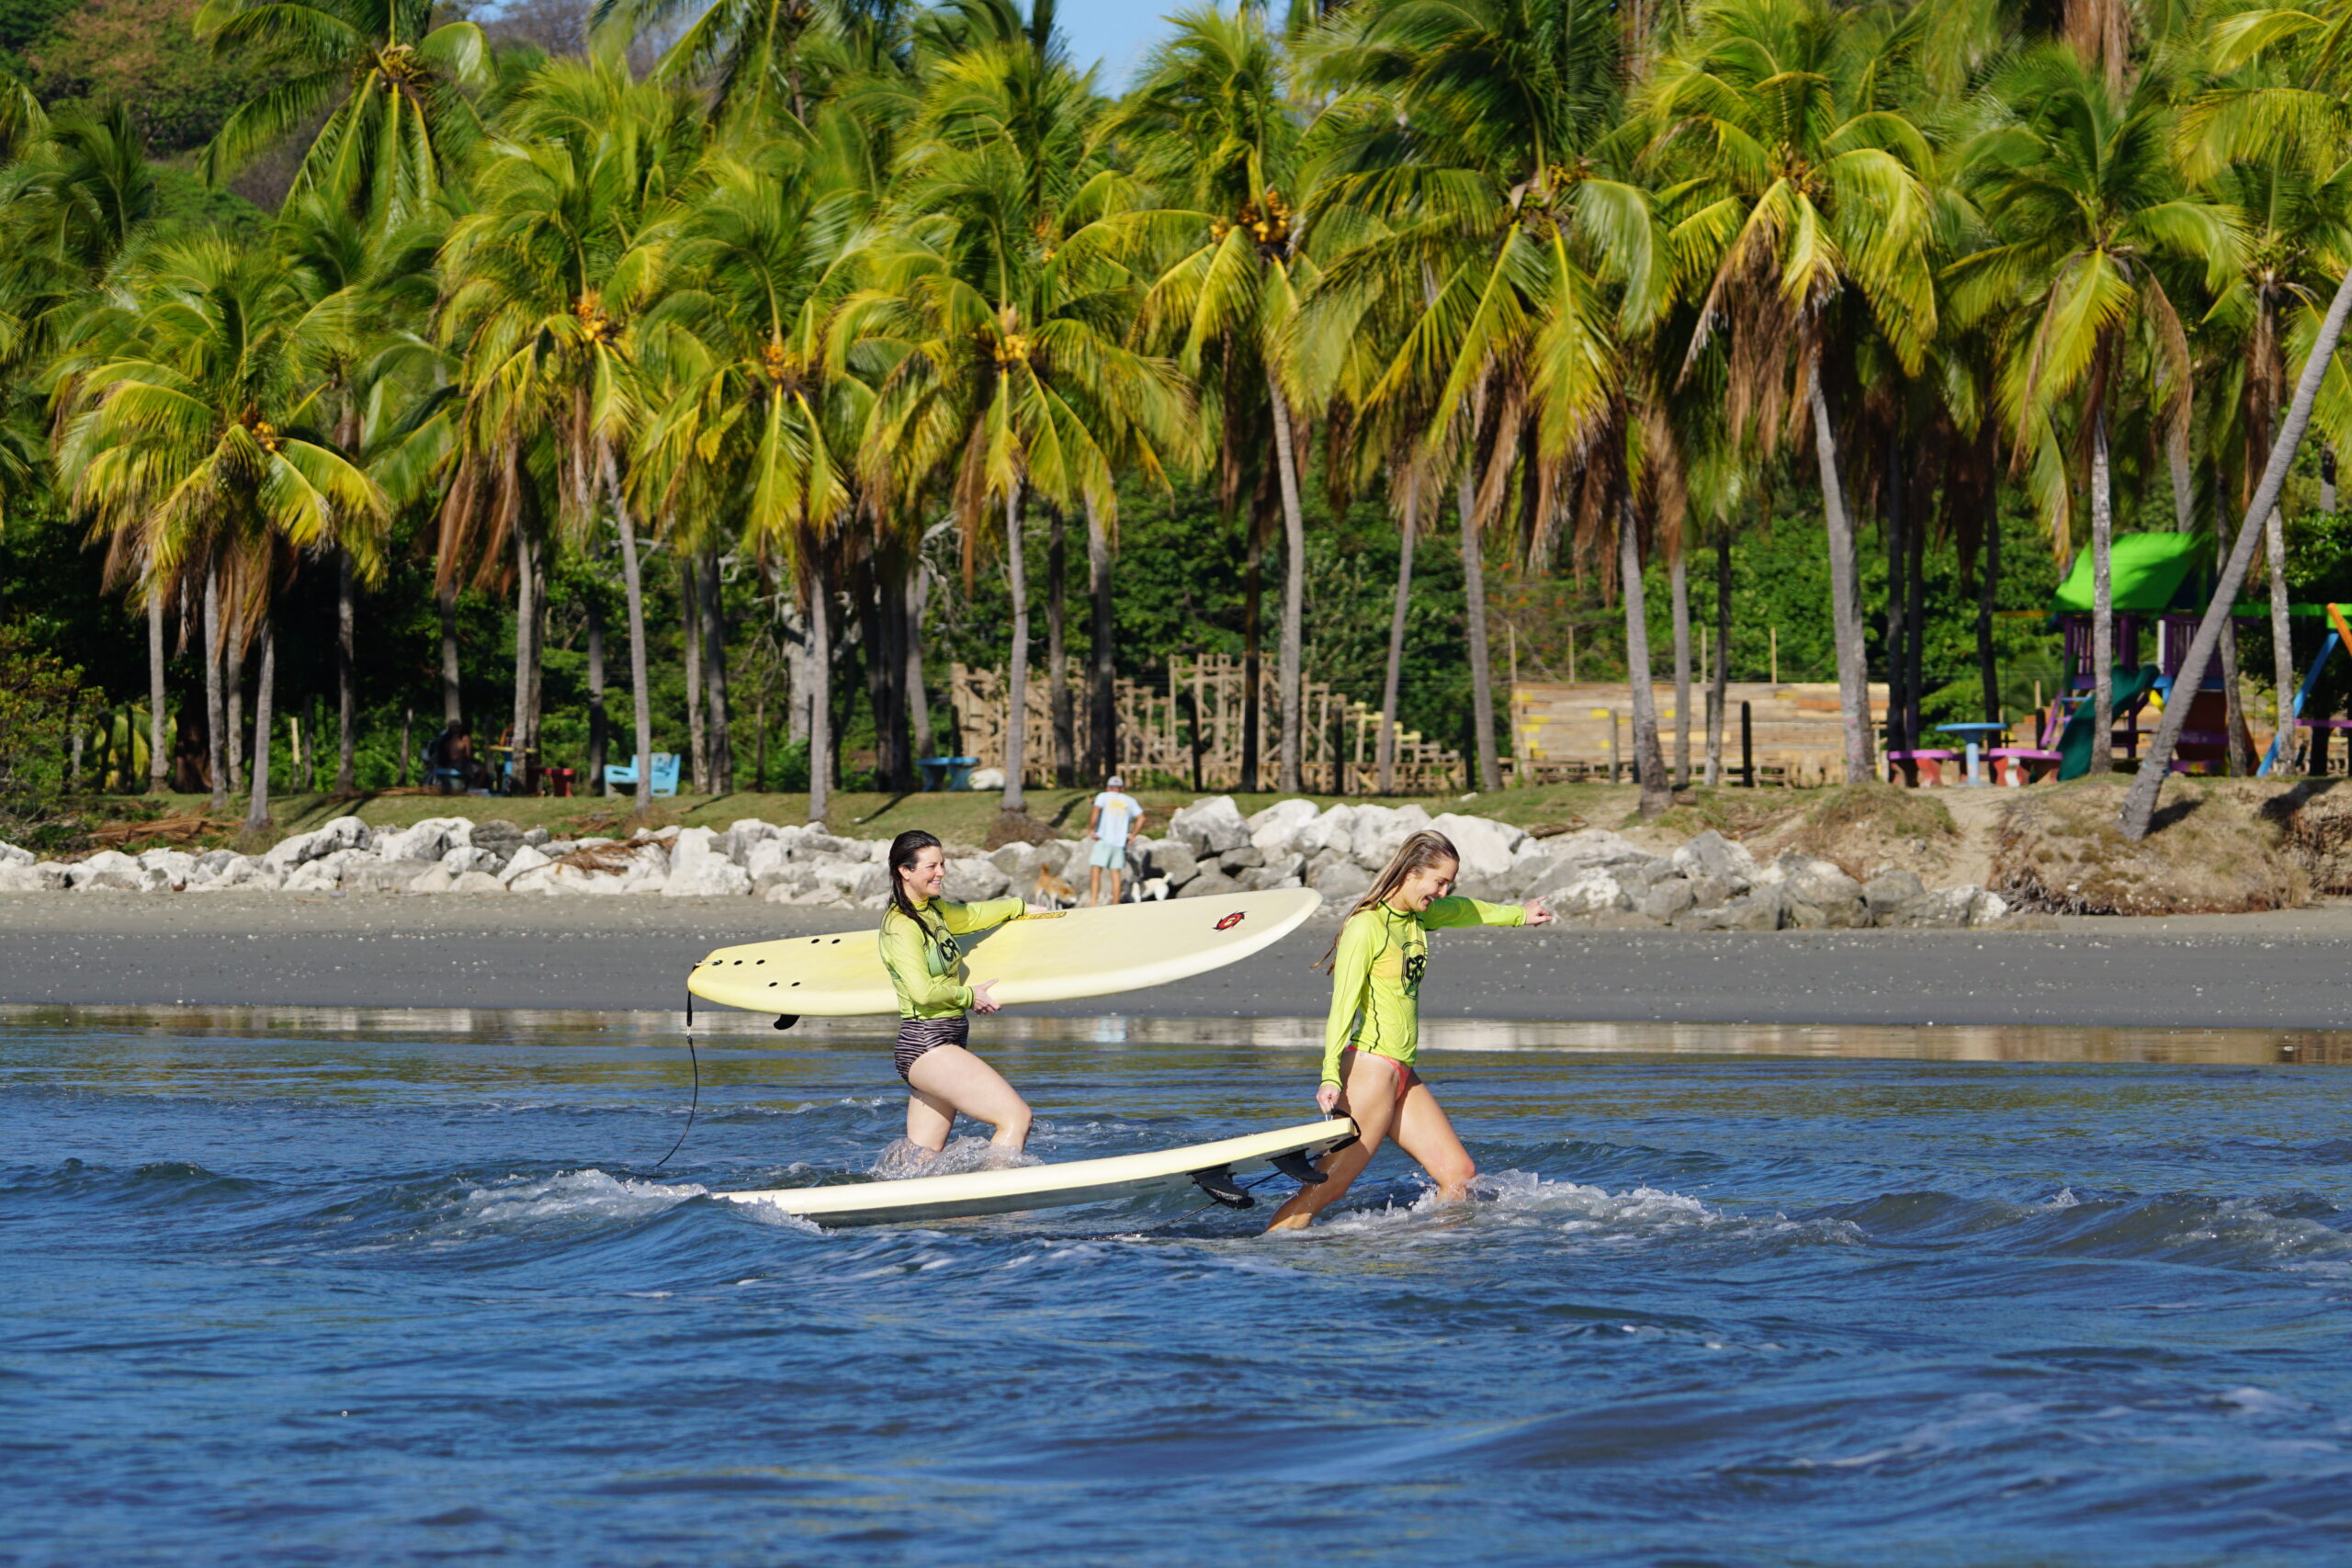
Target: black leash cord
point(696, 1063)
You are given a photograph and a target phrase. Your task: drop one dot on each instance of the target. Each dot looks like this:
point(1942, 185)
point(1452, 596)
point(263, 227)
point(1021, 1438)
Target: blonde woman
point(926, 964)
point(1369, 1041)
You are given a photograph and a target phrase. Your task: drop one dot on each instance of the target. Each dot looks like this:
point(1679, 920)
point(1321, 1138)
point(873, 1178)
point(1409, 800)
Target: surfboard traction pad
point(1019, 1189)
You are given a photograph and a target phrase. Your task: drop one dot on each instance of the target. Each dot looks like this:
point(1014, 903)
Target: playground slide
point(2074, 744)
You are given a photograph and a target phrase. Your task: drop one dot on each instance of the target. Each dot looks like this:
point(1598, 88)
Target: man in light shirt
point(1116, 815)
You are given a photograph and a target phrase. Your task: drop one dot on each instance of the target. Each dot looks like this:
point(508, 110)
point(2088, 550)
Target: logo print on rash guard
point(1417, 963)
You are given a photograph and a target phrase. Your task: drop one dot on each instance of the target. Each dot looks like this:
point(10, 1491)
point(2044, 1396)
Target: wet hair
point(1417, 852)
point(903, 850)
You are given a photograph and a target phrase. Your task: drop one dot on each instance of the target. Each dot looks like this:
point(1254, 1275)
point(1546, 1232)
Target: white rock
point(743, 836)
point(478, 882)
point(1276, 827)
point(527, 858)
point(1487, 847)
point(176, 865)
point(459, 861)
point(314, 876)
point(988, 778)
point(425, 841)
point(18, 876)
point(768, 864)
point(1332, 830)
point(11, 855)
point(1589, 893)
point(1593, 846)
point(1211, 826)
point(55, 876)
point(1379, 831)
point(702, 872)
point(975, 877)
point(1726, 859)
point(341, 833)
point(1988, 907)
point(436, 880)
point(111, 871)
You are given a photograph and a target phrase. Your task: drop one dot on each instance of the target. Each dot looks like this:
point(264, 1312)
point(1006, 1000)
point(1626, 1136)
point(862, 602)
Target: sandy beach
point(2283, 969)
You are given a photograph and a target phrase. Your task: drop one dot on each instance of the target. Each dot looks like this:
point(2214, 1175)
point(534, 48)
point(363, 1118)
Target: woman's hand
point(1537, 915)
point(1041, 909)
point(1327, 1098)
point(981, 1000)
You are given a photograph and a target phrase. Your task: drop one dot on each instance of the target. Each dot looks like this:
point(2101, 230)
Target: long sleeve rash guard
point(1376, 975)
point(925, 961)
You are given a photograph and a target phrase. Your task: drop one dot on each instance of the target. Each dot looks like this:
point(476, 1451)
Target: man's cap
point(1117, 782)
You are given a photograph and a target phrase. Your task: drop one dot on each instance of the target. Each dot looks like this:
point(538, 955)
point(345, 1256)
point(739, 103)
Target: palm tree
point(399, 121)
point(548, 277)
point(2083, 200)
point(193, 439)
point(994, 321)
point(1213, 131)
point(1468, 177)
point(1792, 181)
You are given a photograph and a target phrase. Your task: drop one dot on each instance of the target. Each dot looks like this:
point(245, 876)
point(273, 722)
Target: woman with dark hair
point(919, 947)
point(1374, 1030)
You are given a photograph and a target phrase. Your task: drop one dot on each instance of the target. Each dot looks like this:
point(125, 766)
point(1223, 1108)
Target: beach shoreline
point(632, 954)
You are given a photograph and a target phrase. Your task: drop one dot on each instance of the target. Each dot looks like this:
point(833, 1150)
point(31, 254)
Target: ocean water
point(338, 1288)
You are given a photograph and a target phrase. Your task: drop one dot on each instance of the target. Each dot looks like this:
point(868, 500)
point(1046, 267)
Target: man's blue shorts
point(1109, 855)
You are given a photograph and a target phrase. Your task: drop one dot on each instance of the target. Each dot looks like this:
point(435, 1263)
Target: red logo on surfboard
point(1232, 919)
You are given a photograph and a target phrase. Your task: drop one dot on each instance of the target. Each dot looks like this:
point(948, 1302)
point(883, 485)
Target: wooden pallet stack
point(1563, 731)
point(1190, 728)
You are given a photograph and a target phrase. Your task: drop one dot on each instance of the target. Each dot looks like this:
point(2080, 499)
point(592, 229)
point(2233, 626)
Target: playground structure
point(1786, 733)
point(2339, 634)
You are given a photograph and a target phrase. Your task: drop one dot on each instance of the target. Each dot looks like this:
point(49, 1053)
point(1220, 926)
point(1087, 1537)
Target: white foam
point(903, 1157)
point(575, 1194)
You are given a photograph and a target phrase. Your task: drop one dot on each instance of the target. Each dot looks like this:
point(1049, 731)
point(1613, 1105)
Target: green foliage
point(40, 697)
point(143, 55)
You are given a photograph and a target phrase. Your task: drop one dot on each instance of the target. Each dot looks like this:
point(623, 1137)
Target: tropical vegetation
point(787, 344)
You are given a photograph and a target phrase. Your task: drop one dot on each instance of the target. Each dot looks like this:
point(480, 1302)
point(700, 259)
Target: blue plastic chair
point(665, 773)
point(947, 772)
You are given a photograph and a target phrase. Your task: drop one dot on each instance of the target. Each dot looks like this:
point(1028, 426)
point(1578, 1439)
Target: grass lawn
point(961, 818)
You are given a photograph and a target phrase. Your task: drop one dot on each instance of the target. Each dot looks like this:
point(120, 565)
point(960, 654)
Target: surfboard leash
point(694, 1102)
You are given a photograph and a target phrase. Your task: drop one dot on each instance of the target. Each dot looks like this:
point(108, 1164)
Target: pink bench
point(1916, 770)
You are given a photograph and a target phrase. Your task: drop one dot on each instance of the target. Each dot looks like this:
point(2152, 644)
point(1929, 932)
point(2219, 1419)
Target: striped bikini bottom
point(917, 1036)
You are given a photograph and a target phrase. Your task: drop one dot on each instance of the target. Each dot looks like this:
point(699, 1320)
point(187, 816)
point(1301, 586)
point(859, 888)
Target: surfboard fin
point(1295, 1166)
point(786, 1021)
point(1219, 1183)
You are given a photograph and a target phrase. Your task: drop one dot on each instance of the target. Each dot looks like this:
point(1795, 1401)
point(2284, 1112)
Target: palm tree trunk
point(257, 804)
point(1407, 536)
point(1253, 620)
point(451, 709)
point(2102, 603)
point(690, 615)
point(1474, 615)
point(1845, 594)
point(820, 694)
point(917, 699)
point(233, 671)
point(215, 713)
point(518, 734)
point(1988, 596)
point(599, 722)
point(2140, 807)
point(1061, 702)
point(1016, 677)
point(1102, 746)
point(2327, 477)
point(714, 663)
point(1898, 561)
point(633, 583)
point(156, 772)
point(1288, 672)
point(1649, 763)
point(1680, 581)
point(1914, 625)
point(346, 678)
point(2282, 642)
point(1719, 678)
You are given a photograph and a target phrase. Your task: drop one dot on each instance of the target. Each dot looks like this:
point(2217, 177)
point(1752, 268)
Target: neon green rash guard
point(925, 961)
point(1376, 975)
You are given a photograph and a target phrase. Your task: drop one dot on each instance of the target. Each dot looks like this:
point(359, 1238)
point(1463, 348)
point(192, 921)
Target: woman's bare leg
point(1371, 1097)
point(1424, 1133)
point(947, 1080)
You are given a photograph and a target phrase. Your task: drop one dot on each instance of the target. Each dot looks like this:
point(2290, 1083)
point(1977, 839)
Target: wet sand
point(2286, 970)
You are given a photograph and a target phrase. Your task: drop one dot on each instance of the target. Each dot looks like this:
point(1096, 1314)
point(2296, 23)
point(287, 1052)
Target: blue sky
point(1115, 32)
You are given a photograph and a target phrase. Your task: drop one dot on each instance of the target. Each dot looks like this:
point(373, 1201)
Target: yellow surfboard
point(1077, 952)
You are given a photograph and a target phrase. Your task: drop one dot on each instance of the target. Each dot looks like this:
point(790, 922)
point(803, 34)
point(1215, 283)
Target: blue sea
point(294, 1288)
